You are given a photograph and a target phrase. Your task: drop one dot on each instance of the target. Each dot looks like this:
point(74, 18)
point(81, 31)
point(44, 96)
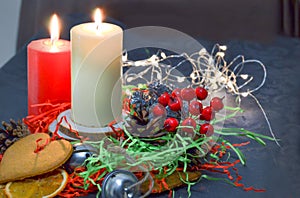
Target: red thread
point(40, 147)
point(225, 167)
point(70, 128)
point(55, 133)
point(48, 113)
point(170, 194)
point(119, 133)
point(238, 178)
point(164, 183)
point(74, 187)
point(241, 144)
point(126, 105)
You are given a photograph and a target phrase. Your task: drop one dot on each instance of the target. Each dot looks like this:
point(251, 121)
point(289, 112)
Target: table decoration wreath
point(172, 131)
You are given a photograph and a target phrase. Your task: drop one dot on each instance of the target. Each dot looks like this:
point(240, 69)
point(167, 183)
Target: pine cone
point(153, 128)
point(141, 123)
point(10, 133)
point(157, 88)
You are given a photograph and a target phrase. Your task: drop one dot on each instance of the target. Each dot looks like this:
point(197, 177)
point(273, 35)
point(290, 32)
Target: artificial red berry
point(207, 129)
point(176, 93)
point(207, 114)
point(195, 107)
point(216, 104)
point(188, 94)
point(201, 93)
point(164, 99)
point(190, 122)
point(158, 110)
point(174, 103)
point(171, 124)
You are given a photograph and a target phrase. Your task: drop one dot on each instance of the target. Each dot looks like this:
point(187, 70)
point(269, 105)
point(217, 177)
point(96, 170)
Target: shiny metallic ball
point(116, 183)
point(81, 152)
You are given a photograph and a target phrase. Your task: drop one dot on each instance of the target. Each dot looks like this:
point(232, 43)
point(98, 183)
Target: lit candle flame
point(54, 29)
point(98, 18)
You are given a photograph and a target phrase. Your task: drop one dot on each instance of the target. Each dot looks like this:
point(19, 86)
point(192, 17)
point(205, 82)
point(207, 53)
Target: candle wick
point(98, 27)
point(53, 41)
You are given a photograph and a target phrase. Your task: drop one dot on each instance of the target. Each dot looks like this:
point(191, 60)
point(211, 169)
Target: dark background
point(216, 20)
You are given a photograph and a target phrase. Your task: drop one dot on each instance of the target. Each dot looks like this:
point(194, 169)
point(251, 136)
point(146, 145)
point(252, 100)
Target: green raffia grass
point(164, 158)
point(235, 110)
point(217, 179)
point(186, 181)
point(236, 150)
point(243, 132)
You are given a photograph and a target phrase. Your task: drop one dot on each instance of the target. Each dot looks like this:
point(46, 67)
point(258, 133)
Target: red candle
point(49, 77)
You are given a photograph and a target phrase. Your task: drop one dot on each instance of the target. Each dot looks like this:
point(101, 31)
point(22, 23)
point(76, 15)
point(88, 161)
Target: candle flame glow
point(54, 29)
point(98, 18)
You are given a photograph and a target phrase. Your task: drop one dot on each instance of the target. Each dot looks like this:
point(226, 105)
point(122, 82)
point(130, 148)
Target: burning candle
point(49, 78)
point(96, 69)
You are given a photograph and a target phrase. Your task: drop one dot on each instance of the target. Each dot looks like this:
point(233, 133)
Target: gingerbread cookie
point(33, 155)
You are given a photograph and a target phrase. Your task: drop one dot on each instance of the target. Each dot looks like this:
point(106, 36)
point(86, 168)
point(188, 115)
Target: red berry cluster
point(195, 108)
point(172, 101)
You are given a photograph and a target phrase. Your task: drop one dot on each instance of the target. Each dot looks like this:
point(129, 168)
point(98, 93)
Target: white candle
point(96, 50)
